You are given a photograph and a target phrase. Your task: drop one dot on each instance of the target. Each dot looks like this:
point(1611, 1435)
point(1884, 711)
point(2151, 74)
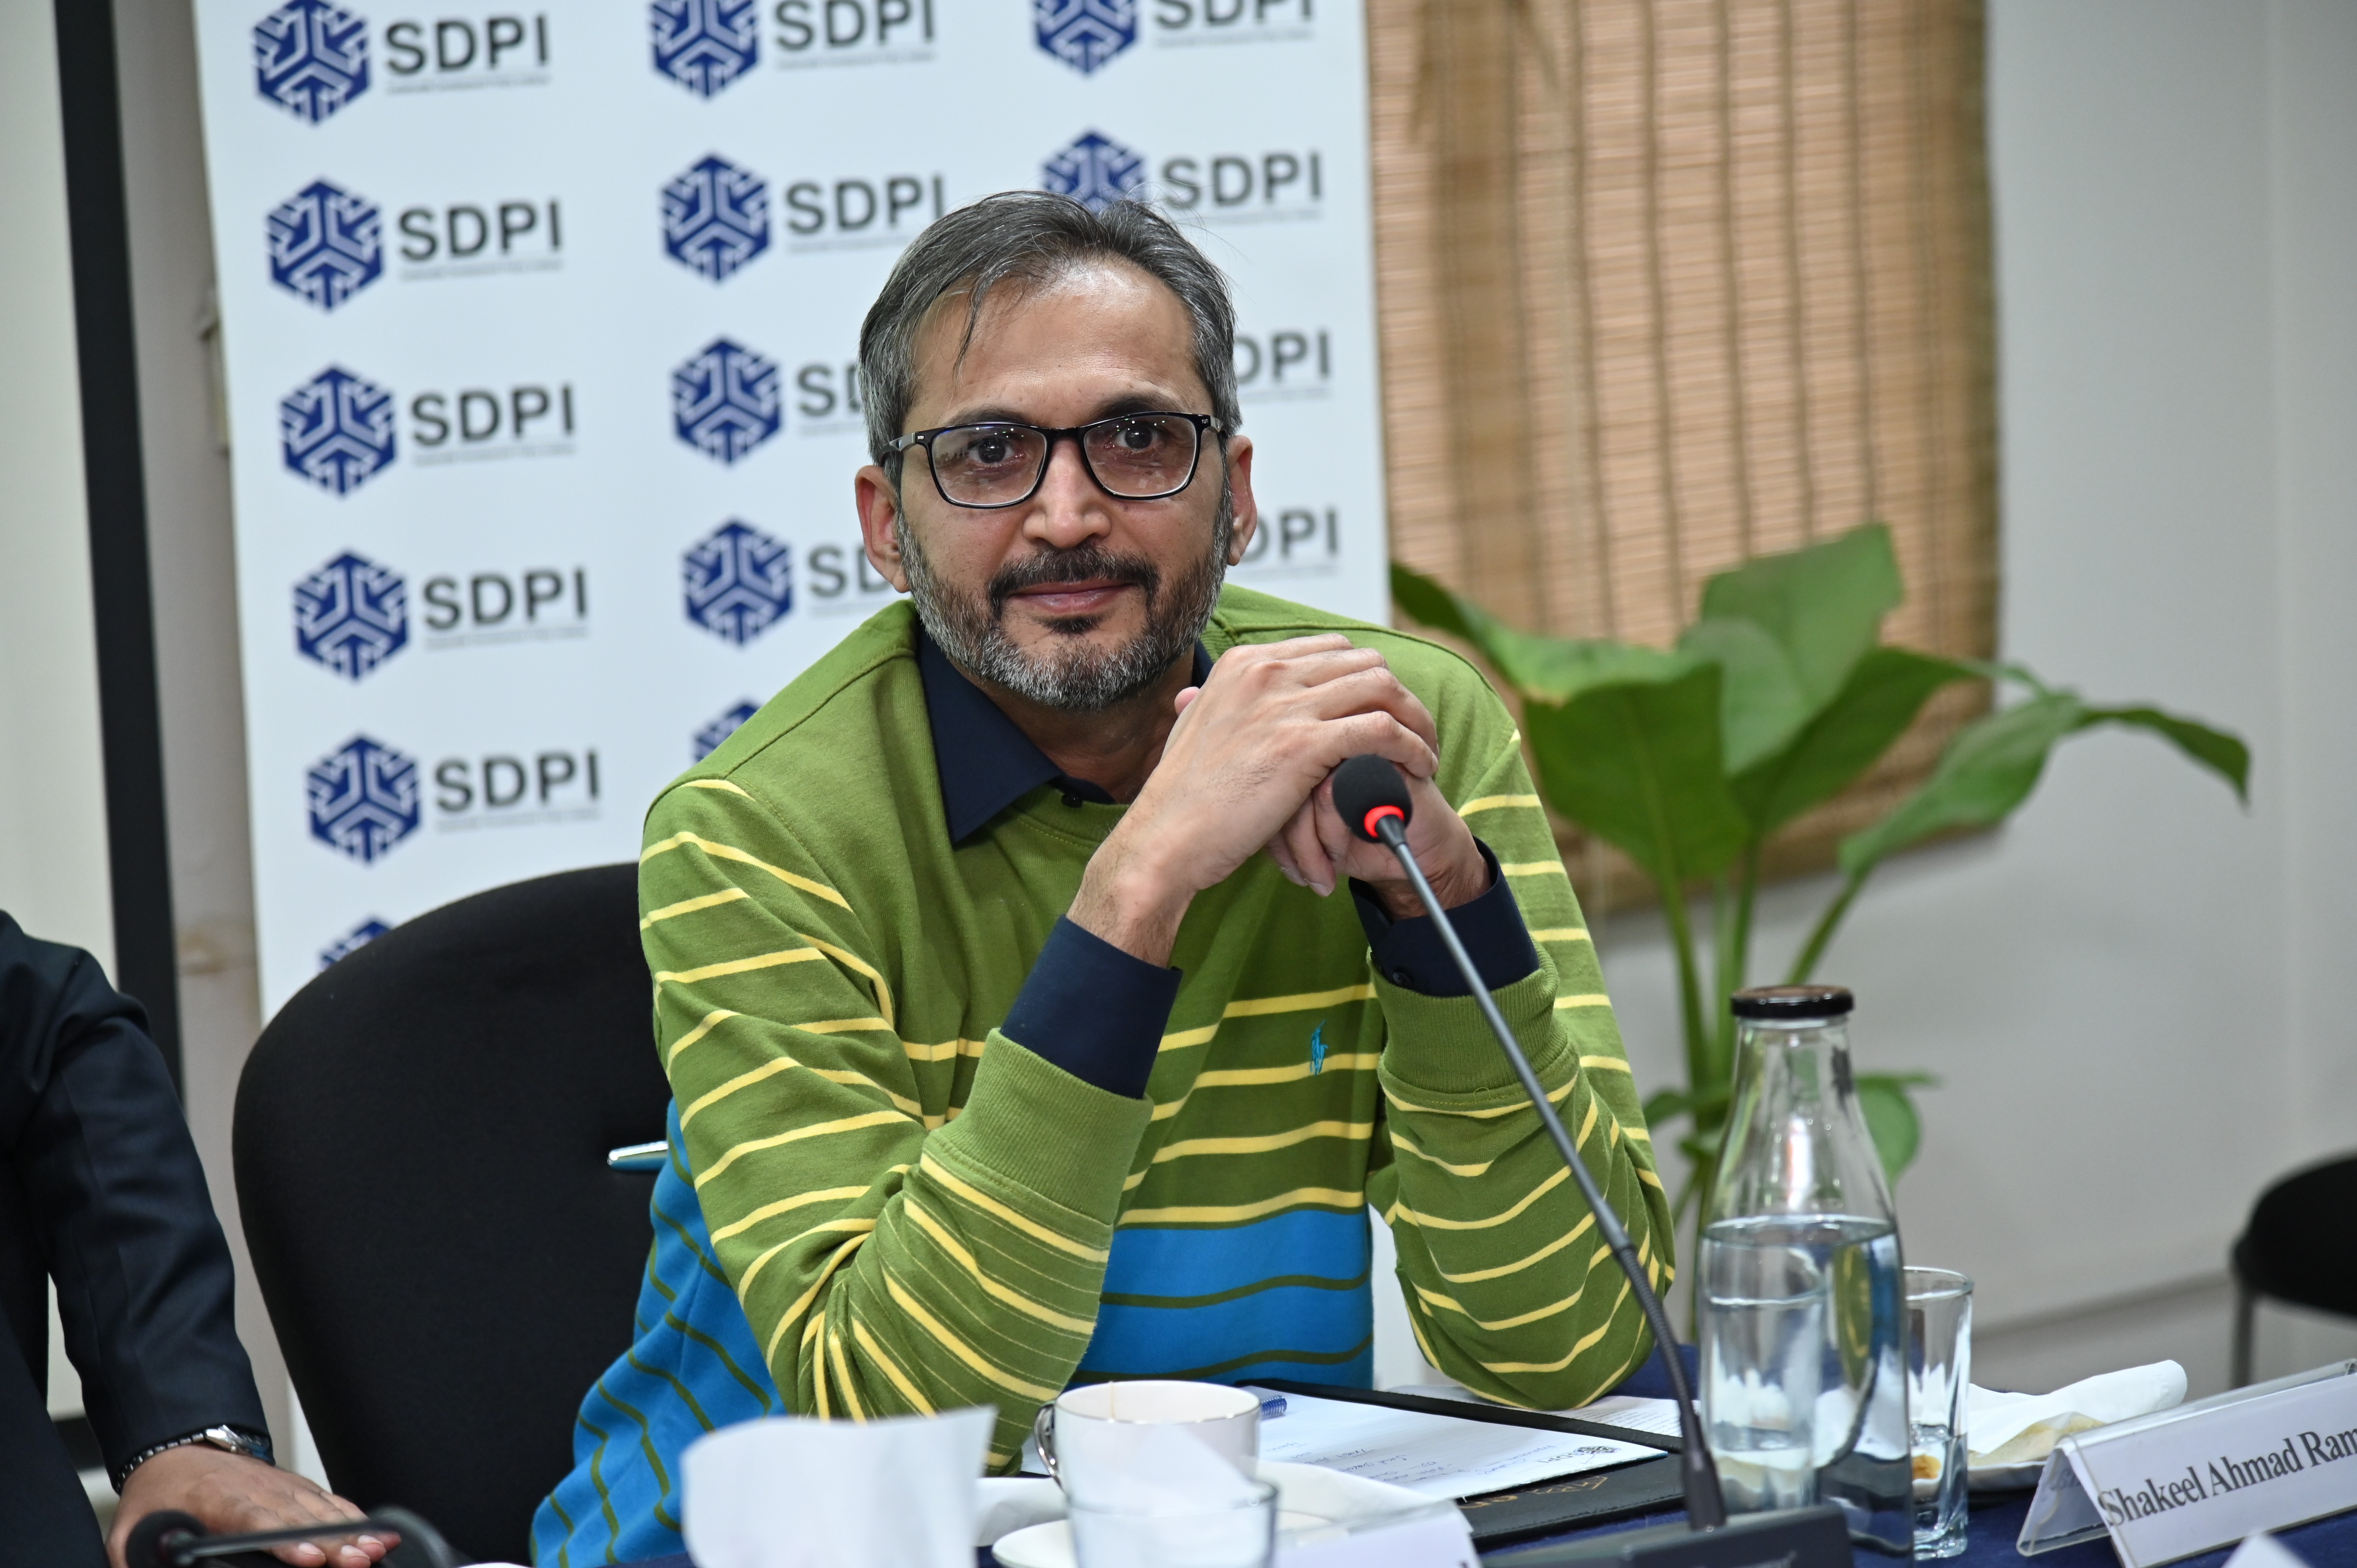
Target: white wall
point(2131, 990)
point(53, 864)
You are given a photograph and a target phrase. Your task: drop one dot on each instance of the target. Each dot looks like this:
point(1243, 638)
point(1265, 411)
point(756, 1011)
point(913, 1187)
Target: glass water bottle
point(1803, 1369)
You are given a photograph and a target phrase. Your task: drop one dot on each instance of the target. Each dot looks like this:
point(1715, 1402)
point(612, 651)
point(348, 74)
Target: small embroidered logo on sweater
point(1318, 1048)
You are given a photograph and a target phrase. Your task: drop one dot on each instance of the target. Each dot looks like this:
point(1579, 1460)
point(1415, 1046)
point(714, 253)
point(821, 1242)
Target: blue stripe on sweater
point(694, 1367)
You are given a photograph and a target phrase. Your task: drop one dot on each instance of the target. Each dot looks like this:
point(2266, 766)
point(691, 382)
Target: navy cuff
point(1094, 1010)
point(1410, 952)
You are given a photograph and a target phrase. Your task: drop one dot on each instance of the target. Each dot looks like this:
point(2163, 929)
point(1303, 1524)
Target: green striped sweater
point(917, 1213)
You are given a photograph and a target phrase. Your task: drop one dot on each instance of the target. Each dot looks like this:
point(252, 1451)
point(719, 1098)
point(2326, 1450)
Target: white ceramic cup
point(1092, 1435)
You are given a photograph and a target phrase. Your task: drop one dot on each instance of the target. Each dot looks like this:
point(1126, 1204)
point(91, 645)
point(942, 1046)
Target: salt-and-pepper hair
point(1030, 237)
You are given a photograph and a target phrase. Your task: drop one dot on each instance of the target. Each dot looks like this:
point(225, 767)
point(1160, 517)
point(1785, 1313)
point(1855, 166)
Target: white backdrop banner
point(538, 326)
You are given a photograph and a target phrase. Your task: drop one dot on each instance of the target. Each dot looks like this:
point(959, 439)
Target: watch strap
point(228, 1439)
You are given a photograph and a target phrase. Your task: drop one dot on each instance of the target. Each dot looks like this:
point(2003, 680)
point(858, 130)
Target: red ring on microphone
point(1376, 814)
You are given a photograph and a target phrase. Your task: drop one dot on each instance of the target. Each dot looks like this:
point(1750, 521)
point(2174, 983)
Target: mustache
point(1087, 564)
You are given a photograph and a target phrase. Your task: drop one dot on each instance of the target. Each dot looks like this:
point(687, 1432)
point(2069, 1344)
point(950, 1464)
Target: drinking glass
point(1939, 1369)
point(1231, 1535)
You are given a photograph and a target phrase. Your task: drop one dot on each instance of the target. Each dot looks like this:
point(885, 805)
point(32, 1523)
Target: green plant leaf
point(1823, 603)
point(2221, 753)
point(1669, 1104)
point(1886, 690)
point(1891, 1117)
point(1550, 669)
point(1990, 768)
point(1638, 763)
point(1761, 700)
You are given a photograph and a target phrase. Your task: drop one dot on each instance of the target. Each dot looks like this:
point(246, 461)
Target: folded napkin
point(2020, 1429)
point(787, 1492)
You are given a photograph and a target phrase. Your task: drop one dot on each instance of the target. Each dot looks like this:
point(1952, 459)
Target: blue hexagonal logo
point(726, 401)
point(310, 58)
point(704, 44)
point(335, 429)
point(351, 941)
point(362, 798)
point(1094, 170)
point(325, 243)
point(352, 615)
point(739, 583)
point(715, 218)
point(707, 739)
point(1084, 34)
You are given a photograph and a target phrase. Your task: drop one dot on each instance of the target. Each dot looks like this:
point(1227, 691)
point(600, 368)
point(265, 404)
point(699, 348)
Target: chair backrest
point(420, 1146)
point(2300, 1245)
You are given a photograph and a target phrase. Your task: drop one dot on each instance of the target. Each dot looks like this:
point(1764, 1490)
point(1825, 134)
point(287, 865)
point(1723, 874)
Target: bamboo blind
point(1668, 282)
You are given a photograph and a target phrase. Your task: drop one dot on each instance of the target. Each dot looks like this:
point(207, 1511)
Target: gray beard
point(1071, 679)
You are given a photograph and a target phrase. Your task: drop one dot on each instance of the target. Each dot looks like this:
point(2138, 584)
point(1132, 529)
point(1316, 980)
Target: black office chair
point(2301, 1246)
point(421, 1142)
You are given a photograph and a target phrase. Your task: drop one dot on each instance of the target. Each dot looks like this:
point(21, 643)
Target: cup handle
point(1043, 1432)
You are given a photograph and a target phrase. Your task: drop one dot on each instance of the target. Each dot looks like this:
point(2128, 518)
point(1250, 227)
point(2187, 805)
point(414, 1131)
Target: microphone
point(1372, 795)
point(169, 1539)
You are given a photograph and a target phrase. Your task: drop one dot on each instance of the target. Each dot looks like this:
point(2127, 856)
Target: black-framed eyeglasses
point(1132, 456)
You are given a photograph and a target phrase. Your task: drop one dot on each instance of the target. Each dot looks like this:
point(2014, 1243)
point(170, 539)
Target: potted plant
point(1778, 696)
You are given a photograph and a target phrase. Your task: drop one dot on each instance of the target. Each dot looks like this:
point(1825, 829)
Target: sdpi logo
point(351, 941)
point(1084, 34)
point(707, 739)
point(352, 615)
point(726, 401)
point(1095, 171)
point(704, 44)
point(715, 218)
point(310, 58)
point(738, 584)
point(362, 798)
point(335, 429)
point(325, 244)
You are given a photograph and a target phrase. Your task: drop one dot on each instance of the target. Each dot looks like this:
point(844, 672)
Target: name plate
point(2183, 1481)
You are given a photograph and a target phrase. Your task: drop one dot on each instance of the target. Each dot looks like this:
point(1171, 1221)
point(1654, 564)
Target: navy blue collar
point(986, 762)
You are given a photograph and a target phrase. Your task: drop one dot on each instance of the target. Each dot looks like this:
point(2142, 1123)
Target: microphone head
point(1367, 788)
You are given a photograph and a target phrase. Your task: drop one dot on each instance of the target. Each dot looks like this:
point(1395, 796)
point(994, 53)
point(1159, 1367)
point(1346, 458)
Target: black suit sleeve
point(100, 1166)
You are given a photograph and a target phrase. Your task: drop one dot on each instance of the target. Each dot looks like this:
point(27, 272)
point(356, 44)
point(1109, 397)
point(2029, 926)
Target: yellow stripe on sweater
point(712, 1020)
point(736, 966)
point(957, 1346)
point(892, 1370)
point(1519, 1264)
point(1400, 1140)
point(835, 1261)
point(1562, 934)
point(948, 1050)
point(721, 784)
point(1228, 1214)
point(1533, 868)
point(770, 1069)
point(1552, 1095)
point(997, 1211)
point(1586, 999)
point(1007, 1294)
point(1237, 1077)
point(1262, 1007)
point(784, 1206)
point(730, 852)
point(690, 906)
point(1263, 1144)
point(1435, 1222)
point(858, 965)
point(795, 1135)
point(1495, 802)
point(1534, 1315)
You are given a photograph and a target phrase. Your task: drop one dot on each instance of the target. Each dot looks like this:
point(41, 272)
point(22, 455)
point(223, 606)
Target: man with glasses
point(1015, 1037)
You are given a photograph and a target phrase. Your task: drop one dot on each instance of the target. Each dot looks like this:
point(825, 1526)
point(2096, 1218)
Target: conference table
point(1996, 1523)
point(1995, 1526)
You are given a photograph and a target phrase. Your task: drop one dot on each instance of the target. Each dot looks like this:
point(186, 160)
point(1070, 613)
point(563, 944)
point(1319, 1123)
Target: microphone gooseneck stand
point(1372, 795)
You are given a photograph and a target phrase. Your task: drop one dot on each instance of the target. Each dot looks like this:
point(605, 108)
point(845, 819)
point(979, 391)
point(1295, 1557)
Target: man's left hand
point(1316, 849)
point(232, 1494)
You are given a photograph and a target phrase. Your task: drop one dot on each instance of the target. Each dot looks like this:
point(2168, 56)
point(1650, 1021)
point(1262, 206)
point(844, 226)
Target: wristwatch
point(228, 1439)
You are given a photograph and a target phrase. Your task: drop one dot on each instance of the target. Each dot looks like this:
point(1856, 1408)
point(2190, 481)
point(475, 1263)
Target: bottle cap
point(1793, 1003)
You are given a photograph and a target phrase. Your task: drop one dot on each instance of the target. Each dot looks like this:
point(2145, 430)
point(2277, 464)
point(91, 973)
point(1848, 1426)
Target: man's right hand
point(1248, 749)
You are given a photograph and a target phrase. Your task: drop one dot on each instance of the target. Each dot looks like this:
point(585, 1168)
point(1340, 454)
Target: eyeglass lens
point(1137, 458)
